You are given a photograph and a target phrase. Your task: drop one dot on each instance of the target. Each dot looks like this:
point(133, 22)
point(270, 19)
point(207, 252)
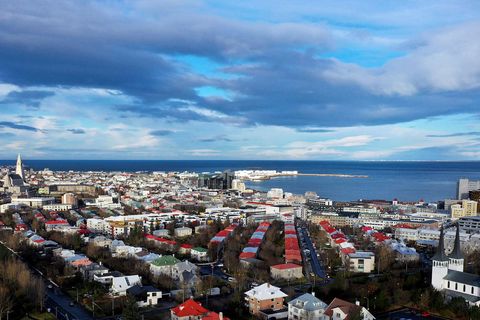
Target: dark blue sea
point(405, 180)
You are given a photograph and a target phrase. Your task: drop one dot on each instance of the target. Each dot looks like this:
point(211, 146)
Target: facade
point(307, 307)
point(265, 297)
point(448, 275)
point(471, 224)
point(145, 295)
point(199, 254)
point(70, 199)
point(361, 261)
point(286, 271)
point(183, 232)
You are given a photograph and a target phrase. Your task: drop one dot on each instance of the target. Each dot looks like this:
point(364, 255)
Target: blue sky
point(349, 80)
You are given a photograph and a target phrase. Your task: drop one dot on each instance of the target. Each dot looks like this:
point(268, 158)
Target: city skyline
point(250, 80)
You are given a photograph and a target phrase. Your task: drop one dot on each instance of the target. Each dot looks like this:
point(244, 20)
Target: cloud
point(17, 126)
point(77, 131)
point(30, 98)
point(218, 138)
point(161, 133)
point(457, 134)
point(314, 130)
point(203, 152)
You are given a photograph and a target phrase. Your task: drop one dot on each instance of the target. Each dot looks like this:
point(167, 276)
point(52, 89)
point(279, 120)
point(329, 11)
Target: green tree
point(130, 310)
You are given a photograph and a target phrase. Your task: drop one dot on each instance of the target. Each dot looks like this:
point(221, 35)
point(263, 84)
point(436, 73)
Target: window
point(456, 286)
point(464, 288)
point(472, 289)
point(448, 285)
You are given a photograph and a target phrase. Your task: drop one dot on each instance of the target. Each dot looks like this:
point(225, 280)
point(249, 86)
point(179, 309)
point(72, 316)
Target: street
point(311, 256)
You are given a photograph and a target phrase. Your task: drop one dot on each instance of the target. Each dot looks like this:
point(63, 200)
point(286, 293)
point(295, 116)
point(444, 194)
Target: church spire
point(19, 169)
point(457, 250)
point(440, 254)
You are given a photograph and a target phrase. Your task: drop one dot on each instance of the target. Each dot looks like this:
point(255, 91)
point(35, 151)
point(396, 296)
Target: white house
point(121, 284)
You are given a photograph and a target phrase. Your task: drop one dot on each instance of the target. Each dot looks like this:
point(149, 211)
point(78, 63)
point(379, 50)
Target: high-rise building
point(19, 168)
point(464, 186)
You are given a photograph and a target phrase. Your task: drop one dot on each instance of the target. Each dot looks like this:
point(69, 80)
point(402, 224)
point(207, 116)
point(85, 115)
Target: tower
point(455, 258)
point(19, 169)
point(440, 263)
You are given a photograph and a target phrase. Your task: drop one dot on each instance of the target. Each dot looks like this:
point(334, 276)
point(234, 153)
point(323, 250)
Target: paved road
point(59, 303)
point(317, 267)
point(407, 314)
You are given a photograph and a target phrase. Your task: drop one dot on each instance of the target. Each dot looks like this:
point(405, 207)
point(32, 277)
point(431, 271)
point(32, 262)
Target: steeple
point(440, 264)
point(457, 251)
point(440, 254)
point(19, 169)
point(456, 256)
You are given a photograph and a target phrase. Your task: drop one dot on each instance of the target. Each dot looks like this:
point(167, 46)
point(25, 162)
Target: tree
point(130, 310)
point(384, 257)
point(6, 300)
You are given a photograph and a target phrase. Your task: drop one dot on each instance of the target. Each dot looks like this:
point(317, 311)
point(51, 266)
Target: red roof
point(189, 308)
point(214, 316)
point(348, 250)
point(57, 222)
point(186, 246)
point(284, 266)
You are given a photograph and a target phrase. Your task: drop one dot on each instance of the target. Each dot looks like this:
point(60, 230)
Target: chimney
point(313, 293)
point(220, 316)
point(357, 302)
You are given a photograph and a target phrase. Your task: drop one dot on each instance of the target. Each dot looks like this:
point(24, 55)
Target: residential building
point(265, 297)
point(286, 271)
point(307, 307)
point(199, 254)
point(145, 295)
point(121, 284)
point(192, 310)
point(183, 232)
point(361, 261)
point(340, 309)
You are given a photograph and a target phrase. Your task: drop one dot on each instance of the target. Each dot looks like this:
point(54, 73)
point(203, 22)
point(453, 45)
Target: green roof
point(200, 249)
point(165, 261)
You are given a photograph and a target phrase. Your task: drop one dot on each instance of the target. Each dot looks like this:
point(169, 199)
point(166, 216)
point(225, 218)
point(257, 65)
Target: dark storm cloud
point(30, 98)
point(17, 126)
point(77, 131)
point(102, 47)
point(279, 79)
point(457, 134)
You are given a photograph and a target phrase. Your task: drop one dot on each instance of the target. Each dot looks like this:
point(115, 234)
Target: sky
point(174, 79)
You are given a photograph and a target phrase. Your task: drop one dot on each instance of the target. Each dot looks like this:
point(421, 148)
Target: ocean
point(405, 180)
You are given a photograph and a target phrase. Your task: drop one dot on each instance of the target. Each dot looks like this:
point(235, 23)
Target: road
point(407, 314)
point(306, 244)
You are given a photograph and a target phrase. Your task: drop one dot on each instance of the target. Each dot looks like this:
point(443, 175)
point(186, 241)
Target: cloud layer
point(145, 76)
